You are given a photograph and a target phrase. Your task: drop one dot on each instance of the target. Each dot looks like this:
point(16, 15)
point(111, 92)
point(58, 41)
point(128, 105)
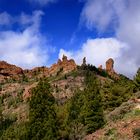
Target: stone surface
point(65, 88)
point(9, 70)
point(110, 69)
point(64, 58)
point(84, 61)
point(27, 91)
point(37, 71)
point(100, 68)
point(110, 65)
point(63, 66)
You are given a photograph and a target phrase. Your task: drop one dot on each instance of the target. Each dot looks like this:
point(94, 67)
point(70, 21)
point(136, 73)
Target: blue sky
point(38, 32)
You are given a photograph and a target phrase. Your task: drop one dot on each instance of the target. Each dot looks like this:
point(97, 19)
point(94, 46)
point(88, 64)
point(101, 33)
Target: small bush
point(110, 132)
point(136, 132)
point(66, 86)
point(137, 112)
point(20, 92)
point(60, 70)
point(0, 87)
point(119, 112)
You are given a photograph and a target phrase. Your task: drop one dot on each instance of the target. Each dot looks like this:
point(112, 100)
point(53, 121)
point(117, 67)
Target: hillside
point(122, 123)
point(66, 101)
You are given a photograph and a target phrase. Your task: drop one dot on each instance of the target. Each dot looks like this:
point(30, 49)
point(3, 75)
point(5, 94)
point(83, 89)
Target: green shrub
point(110, 131)
point(15, 132)
point(0, 87)
point(60, 70)
point(137, 79)
point(136, 132)
point(120, 112)
point(137, 112)
point(85, 106)
point(42, 116)
point(25, 78)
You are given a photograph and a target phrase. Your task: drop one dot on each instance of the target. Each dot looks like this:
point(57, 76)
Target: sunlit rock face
point(9, 70)
point(110, 68)
point(63, 65)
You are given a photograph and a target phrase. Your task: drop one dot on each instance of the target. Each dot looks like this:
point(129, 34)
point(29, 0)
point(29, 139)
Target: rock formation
point(84, 62)
point(37, 71)
point(100, 68)
point(61, 67)
point(27, 91)
point(9, 70)
point(110, 68)
point(64, 66)
point(110, 65)
point(64, 58)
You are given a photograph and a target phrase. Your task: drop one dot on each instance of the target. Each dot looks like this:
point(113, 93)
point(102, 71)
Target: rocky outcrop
point(37, 71)
point(27, 91)
point(100, 68)
point(63, 66)
point(64, 89)
point(84, 62)
point(9, 70)
point(110, 68)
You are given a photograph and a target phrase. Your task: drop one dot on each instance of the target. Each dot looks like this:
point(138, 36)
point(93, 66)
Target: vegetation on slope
point(80, 115)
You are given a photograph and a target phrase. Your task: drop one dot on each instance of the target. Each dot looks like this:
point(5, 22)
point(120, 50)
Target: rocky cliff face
point(63, 65)
point(8, 70)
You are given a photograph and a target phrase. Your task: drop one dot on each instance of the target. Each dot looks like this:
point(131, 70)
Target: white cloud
point(97, 51)
point(124, 17)
point(100, 13)
point(35, 18)
point(129, 31)
point(42, 2)
point(26, 48)
point(5, 18)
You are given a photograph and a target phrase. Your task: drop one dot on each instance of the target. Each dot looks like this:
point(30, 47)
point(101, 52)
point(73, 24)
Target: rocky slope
point(123, 123)
point(65, 78)
point(58, 72)
point(64, 66)
point(8, 70)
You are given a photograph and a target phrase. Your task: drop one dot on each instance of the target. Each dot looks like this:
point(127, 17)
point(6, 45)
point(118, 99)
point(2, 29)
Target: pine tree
point(93, 113)
point(86, 108)
point(1, 118)
point(42, 116)
point(137, 79)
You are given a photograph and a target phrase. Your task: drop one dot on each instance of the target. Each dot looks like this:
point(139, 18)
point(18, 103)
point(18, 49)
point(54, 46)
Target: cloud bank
point(121, 16)
point(97, 51)
point(25, 47)
point(42, 2)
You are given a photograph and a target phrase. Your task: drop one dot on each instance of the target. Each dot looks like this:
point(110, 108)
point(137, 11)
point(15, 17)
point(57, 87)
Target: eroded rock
point(110, 68)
